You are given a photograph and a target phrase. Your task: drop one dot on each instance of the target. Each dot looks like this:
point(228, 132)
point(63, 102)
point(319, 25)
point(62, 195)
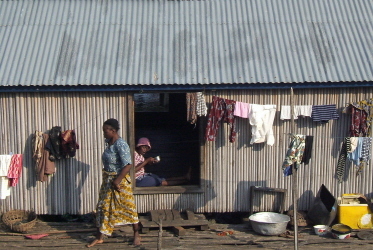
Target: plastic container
point(341, 231)
point(321, 229)
point(341, 236)
point(351, 214)
point(269, 223)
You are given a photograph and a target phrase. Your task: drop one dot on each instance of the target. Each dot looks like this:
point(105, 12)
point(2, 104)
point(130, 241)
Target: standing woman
point(116, 204)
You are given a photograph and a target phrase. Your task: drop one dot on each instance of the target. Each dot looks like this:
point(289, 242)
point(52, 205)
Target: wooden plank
point(168, 190)
point(155, 215)
point(175, 223)
point(176, 214)
point(145, 230)
point(190, 215)
point(179, 231)
point(168, 215)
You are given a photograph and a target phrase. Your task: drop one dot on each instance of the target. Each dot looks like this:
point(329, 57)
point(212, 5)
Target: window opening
point(162, 118)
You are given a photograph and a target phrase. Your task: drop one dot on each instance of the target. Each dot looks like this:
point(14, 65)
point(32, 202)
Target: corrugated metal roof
point(107, 42)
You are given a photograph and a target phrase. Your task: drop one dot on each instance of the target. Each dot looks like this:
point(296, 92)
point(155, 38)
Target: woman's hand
point(151, 160)
point(115, 184)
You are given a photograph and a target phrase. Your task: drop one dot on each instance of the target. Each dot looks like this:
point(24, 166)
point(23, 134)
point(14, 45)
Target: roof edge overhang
point(183, 87)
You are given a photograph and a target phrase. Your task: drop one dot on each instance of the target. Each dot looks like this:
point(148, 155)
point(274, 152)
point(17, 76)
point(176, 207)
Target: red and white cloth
point(15, 169)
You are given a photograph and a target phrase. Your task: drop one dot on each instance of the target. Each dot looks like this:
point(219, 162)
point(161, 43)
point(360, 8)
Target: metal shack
point(75, 64)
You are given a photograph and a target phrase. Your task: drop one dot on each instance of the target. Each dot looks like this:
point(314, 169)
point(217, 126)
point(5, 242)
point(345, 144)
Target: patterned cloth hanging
point(341, 165)
point(294, 154)
point(221, 109)
point(191, 102)
point(201, 104)
point(15, 169)
point(367, 106)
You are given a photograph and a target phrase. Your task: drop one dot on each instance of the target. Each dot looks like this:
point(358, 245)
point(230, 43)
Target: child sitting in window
point(144, 179)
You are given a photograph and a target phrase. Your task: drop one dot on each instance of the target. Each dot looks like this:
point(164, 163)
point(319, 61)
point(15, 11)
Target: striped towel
point(324, 113)
point(342, 159)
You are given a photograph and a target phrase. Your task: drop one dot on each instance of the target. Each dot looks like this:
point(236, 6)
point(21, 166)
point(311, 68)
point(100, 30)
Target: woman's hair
point(113, 123)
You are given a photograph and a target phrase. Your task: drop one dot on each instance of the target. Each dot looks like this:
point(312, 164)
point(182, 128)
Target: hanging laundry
point(324, 113)
point(261, 119)
point(4, 164)
point(4, 187)
point(355, 155)
point(341, 165)
point(68, 143)
point(294, 154)
point(201, 104)
point(191, 102)
point(37, 145)
point(4, 181)
point(53, 144)
point(286, 113)
point(45, 166)
point(303, 110)
point(242, 109)
point(15, 169)
point(354, 141)
point(221, 109)
point(307, 150)
point(299, 110)
point(365, 154)
point(367, 106)
point(359, 125)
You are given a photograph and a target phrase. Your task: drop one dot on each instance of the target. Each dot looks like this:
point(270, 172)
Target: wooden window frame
point(164, 189)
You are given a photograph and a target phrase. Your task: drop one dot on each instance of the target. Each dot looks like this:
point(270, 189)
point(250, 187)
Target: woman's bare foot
point(94, 242)
point(137, 241)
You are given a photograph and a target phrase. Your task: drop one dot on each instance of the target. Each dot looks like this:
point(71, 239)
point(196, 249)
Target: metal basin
point(269, 223)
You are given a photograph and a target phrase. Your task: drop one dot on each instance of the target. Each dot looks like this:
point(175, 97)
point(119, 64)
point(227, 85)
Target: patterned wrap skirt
point(115, 208)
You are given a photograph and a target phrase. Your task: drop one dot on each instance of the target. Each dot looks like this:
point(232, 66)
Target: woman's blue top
point(116, 156)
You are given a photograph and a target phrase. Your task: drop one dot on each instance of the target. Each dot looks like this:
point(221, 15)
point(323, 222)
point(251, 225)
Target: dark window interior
point(172, 138)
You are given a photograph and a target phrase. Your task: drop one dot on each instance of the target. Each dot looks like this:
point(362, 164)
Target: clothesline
point(337, 137)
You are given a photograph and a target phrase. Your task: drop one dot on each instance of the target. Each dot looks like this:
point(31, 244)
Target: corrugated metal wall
point(230, 168)
point(74, 187)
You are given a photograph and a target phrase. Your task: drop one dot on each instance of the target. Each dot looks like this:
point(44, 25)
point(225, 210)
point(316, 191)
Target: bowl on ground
point(269, 223)
point(341, 231)
point(321, 229)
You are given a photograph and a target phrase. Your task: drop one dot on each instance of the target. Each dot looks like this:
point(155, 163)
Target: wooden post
point(160, 232)
point(294, 176)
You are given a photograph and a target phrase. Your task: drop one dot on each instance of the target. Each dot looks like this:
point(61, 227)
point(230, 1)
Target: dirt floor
point(75, 235)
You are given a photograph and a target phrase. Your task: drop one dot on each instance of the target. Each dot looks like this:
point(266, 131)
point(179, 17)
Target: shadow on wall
point(29, 163)
point(188, 201)
point(307, 198)
point(65, 187)
point(242, 199)
point(62, 190)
